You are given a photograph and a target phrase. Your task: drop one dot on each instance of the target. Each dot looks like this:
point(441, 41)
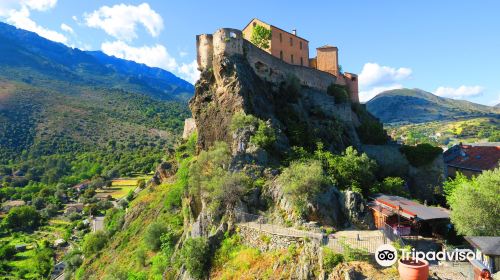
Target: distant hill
point(27, 57)
point(417, 106)
point(61, 102)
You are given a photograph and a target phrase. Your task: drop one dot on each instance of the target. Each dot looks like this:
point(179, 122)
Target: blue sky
point(447, 47)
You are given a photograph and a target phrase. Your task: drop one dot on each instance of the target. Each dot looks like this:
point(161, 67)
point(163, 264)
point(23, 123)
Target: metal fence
point(263, 224)
point(369, 244)
point(338, 244)
point(390, 234)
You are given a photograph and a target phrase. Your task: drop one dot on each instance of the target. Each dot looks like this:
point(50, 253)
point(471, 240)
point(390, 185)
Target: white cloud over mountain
point(375, 78)
point(460, 92)
point(121, 20)
point(18, 14)
point(154, 56)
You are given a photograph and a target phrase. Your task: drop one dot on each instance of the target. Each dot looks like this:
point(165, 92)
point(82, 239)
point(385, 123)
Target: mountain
point(417, 106)
point(32, 59)
point(62, 103)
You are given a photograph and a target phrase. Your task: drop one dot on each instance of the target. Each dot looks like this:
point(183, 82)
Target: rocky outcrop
point(356, 211)
point(163, 171)
point(301, 115)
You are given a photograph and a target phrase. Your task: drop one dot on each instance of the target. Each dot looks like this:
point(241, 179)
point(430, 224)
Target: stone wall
point(228, 42)
point(265, 241)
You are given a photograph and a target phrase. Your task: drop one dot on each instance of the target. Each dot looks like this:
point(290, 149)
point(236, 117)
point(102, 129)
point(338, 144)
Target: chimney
point(294, 32)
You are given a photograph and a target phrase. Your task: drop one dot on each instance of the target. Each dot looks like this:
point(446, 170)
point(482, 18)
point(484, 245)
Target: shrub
point(263, 134)
point(94, 242)
point(331, 259)
point(114, 219)
point(153, 234)
point(421, 154)
point(339, 92)
point(194, 255)
point(371, 131)
point(302, 181)
point(391, 185)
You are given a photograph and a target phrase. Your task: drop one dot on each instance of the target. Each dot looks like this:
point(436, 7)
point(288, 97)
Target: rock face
point(163, 171)
point(300, 111)
point(356, 211)
point(421, 181)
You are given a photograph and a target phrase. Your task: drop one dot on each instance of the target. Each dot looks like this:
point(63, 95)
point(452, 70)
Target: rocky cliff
point(251, 81)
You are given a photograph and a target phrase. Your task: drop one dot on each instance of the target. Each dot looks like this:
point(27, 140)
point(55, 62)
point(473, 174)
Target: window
point(281, 55)
point(254, 24)
point(300, 44)
point(291, 41)
point(301, 61)
point(291, 58)
point(281, 38)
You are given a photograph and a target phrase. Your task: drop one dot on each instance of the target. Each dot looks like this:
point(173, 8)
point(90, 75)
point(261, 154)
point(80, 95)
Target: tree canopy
point(475, 204)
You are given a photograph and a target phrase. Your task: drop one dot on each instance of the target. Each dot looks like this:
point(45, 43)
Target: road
point(97, 223)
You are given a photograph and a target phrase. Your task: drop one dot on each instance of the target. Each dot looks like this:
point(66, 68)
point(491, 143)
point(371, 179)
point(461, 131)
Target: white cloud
point(67, 28)
point(75, 18)
point(40, 5)
point(375, 78)
point(154, 56)
point(17, 13)
point(377, 75)
point(21, 19)
point(120, 21)
point(189, 71)
point(460, 92)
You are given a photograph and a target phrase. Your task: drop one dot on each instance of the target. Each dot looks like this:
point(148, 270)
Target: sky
point(448, 47)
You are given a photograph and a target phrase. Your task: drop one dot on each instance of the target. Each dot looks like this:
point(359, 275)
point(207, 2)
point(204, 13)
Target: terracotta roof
point(410, 208)
point(488, 245)
point(472, 157)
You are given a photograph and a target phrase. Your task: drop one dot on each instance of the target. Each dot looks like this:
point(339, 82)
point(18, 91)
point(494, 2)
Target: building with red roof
point(472, 159)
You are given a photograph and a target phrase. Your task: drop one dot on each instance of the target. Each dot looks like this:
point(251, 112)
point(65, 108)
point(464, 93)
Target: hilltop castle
point(287, 54)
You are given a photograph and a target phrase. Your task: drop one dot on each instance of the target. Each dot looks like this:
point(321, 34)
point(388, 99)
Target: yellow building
point(295, 50)
point(285, 45)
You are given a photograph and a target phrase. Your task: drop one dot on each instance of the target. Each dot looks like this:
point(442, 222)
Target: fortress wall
point(275, 70)
point(228, 42)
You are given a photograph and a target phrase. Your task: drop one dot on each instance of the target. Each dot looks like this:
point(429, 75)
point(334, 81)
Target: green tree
point(43, 261)
point(23, 218)
point(195, 256)
point(261, 36)
point(94, 242)
point(153, 234)
point(475, 204)
point(351, 170)
point(302, 180)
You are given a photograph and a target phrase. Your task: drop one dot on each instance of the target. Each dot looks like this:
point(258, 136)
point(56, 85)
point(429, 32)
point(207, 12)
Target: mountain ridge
point(40, 58)
point(416, 106)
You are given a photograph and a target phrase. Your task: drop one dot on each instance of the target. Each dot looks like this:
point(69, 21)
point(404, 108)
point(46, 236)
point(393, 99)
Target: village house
point(471, 159)
point(291, 48)
point(79, 188)
point(488, 248)
point(11, 204)
point(408, 218)
point(73, 208)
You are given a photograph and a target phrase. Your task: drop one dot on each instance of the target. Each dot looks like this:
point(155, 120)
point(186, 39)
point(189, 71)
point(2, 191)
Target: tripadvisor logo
point(386, 255)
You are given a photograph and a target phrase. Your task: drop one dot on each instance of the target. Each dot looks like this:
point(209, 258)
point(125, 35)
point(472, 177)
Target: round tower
point(228, 41)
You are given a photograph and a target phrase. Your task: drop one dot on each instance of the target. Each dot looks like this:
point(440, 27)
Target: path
point(97, 223)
